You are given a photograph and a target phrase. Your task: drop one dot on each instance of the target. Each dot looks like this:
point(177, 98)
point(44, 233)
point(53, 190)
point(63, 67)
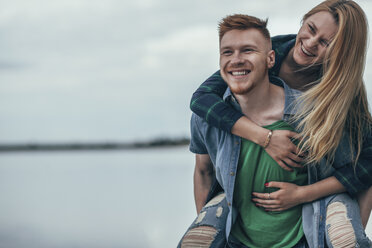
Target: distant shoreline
point(71, 146)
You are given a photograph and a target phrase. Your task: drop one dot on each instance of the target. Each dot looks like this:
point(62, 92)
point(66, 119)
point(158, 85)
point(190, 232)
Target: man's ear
point(270, 59)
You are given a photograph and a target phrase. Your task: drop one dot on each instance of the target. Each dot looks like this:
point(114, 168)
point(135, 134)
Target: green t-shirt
point(254, 226)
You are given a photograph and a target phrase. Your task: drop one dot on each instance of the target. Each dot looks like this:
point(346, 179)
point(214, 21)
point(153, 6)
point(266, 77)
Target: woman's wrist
point(268, 138)
point(249, 130)
point(306, 194)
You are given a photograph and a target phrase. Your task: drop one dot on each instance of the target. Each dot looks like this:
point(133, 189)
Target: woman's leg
point(208, 229)
point(344, 225)
point(365, 204)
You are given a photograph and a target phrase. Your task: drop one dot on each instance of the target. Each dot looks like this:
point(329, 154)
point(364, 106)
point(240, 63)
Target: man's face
point(245, 56)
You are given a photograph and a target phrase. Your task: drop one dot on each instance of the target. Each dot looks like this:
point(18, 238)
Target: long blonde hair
point(338, 102)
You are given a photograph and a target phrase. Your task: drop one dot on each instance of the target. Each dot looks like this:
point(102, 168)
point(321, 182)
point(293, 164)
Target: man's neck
point(263, 104)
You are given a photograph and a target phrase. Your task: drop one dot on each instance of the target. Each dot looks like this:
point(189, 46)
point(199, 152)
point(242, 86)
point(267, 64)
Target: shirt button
point(321, 218)
point(236, 142)
point(229, 204)
point(232, 173)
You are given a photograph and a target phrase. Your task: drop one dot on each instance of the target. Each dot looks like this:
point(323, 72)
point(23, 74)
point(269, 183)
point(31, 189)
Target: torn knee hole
point(215, 200)
point(201, 236)
point(340, 230)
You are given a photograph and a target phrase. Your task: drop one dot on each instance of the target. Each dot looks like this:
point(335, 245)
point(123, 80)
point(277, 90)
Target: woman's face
point(314, 37)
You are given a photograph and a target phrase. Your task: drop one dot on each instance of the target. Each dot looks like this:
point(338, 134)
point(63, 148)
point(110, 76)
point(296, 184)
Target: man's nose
point(237, 59)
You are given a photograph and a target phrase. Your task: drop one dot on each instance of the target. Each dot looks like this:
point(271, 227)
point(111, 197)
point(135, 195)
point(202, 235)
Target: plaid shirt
point(207, 103)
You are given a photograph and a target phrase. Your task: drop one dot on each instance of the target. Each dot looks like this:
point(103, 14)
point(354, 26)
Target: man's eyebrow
point(225, 47)
point(250, 46)
point(243, 46)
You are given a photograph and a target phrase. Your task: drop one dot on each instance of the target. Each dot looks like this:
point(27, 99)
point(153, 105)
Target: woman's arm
point(280, 147)
point(207, 103)
point(290, 195)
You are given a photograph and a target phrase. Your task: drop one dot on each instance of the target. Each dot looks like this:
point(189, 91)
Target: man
point(240, 166)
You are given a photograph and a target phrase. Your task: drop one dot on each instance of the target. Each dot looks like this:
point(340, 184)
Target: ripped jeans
point(208, 229)
point(343, 226)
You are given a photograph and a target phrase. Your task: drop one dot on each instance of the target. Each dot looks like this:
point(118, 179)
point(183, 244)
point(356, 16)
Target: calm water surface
point(96, 199)
point(103, 199)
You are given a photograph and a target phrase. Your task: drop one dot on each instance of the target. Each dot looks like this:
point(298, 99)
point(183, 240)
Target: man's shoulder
point(287, 90)
point(280, 39)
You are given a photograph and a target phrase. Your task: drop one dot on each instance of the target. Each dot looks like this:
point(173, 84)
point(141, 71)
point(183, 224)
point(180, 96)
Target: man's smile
point(239, 72)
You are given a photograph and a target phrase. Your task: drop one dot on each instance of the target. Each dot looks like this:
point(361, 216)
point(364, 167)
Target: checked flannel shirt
point(207, 103)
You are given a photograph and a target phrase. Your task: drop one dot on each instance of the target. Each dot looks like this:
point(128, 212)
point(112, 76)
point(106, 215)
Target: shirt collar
point(290, 106)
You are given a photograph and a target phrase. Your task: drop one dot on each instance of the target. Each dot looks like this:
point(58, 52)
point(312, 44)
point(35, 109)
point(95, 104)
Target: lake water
point(104, 199)
point(107, 199)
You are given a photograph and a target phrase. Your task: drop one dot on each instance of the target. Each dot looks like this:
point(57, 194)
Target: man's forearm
point(203, 177)
point(202, 185)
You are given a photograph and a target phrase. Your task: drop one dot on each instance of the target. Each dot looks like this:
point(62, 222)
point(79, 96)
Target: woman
point(329, 68)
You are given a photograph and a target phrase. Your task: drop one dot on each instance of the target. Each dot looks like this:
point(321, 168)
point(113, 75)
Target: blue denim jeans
point(343, 223)
point(341, 209)
point(213, 215)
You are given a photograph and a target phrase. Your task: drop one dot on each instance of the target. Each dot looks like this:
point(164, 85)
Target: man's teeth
point(239, 73)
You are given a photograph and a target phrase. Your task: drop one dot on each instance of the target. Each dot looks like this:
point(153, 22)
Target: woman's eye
point(324, 43)
point(312, 30)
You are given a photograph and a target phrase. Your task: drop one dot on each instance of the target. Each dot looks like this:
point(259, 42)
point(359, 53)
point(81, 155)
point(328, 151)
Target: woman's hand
point(282, 149)
point(288, 196)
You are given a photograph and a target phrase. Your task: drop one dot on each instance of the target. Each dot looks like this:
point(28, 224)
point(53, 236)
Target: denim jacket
point(223, 149)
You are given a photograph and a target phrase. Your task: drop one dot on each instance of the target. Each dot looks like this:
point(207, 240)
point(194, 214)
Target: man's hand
point(282, 149)
point(288, 196)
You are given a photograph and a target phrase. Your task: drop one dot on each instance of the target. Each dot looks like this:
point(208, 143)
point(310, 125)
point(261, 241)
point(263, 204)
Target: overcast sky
point(91, 70)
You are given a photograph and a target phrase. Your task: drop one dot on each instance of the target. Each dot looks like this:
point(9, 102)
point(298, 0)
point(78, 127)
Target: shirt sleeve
point(197, 141)
point(358, 177)
point(207, 103)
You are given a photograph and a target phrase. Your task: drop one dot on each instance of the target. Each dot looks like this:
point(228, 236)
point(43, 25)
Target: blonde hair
point(338, 101)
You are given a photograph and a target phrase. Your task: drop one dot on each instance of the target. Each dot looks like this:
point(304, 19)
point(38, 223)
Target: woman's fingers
point(295, 157)
point(267, 206)
point(284, 166)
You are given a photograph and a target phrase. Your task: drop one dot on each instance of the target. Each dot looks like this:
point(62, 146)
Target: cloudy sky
point(79, 70)
point(88, 70)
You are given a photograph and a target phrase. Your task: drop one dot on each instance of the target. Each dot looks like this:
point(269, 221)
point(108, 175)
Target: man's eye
point(227, 52)
point(248, 50)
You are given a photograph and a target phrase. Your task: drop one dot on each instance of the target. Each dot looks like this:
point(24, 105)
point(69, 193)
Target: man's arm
point(203, 177)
